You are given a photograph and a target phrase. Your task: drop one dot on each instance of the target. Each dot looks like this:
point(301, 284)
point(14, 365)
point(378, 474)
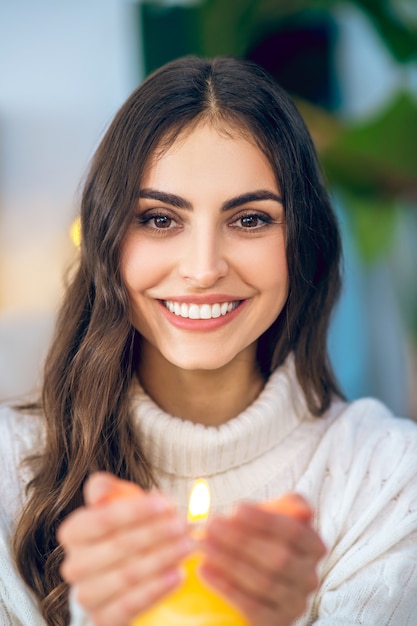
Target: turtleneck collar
point(184, 449)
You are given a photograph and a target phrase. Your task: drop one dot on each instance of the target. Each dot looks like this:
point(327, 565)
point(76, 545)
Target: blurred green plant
point(372, 163)
point(376, 158)
point(226, 26)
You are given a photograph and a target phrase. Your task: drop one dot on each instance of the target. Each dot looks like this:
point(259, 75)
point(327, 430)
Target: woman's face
point(204, 260)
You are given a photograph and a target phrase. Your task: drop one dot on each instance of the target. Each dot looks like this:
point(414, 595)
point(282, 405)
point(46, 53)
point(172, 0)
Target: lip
point(212, 298)
point(185, 323)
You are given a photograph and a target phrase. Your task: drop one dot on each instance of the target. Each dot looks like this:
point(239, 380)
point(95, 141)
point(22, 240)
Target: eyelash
point(264, 218)
point(146, 219)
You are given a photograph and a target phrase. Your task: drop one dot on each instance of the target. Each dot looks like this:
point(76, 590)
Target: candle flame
point(199, 505)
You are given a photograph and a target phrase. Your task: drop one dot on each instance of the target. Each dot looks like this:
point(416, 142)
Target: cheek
point(138, 275)
point(128, 263)
point(268, 267)
point(134, 277)
point(140, 267)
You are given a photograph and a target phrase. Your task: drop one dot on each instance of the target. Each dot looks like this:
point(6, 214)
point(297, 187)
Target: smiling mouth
point(201, 311)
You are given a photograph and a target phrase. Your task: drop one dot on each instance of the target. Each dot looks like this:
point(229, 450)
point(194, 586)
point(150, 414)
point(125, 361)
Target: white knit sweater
point(357, 466)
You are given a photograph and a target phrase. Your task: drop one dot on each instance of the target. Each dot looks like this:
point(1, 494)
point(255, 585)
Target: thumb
point(103, 487)
point(291, 504)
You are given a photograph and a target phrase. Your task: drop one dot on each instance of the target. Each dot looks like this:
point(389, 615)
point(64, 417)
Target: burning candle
point(193, 604)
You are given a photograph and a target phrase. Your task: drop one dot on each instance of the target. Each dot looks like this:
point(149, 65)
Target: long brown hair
point(85, 398)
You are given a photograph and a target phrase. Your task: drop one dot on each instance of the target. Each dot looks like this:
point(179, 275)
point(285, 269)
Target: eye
point(161, 221)
point(156, 221)
point(251, 221)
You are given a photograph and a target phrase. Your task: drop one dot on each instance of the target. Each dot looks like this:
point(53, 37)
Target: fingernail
point(176, 526)
point(185, 545)
point(173, 577)
point(159, 503)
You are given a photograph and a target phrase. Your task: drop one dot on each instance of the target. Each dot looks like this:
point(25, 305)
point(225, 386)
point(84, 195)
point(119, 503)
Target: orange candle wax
point(290, 504)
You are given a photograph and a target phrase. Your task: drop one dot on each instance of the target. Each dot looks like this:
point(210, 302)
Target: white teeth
point(205, 312)
point(200, 311)
point(216, 310)
point(194, 312)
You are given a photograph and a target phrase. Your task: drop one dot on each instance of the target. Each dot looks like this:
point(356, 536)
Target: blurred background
point(351, 66)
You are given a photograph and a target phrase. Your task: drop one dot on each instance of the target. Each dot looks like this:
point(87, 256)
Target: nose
point(203, 261)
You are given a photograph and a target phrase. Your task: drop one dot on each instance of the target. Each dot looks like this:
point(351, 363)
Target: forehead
point(197, 141)
point(227, 128)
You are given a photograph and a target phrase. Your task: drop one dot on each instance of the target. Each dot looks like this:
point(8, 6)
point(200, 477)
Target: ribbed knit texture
point(239, 459)
point(357, 465)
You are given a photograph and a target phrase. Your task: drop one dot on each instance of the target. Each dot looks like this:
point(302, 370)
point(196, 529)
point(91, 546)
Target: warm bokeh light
point(199, 504)
point(75, 232)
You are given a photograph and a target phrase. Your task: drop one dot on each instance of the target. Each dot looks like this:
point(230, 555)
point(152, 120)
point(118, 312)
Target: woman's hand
point(264, 562)
point(122, 550)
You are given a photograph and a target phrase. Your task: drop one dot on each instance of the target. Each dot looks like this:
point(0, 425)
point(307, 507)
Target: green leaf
point(399, 35)
point(378, 156)
point(373, 224)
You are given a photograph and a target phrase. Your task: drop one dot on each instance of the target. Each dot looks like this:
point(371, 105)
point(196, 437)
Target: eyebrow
point(182, 203)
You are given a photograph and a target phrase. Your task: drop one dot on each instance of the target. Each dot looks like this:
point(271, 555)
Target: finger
point(283, 527)
point(132, 574)
point(135, 601)
point(238, 573)
point(290, 603)
point(89, 524)
point(270, 557)
point(84, 560)
point(103, 487)
point(277, 569)
point(292, 504)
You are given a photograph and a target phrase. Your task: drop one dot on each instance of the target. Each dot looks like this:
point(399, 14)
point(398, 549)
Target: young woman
point(192, 344)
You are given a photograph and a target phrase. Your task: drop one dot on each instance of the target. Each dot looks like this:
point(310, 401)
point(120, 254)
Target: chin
point(201, 365)
point(200, 362)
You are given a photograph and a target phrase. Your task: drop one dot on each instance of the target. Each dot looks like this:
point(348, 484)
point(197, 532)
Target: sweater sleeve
point(78, 616)
point(17, 604)
point(19, 434)
point(382, 592)
point(366, 503)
